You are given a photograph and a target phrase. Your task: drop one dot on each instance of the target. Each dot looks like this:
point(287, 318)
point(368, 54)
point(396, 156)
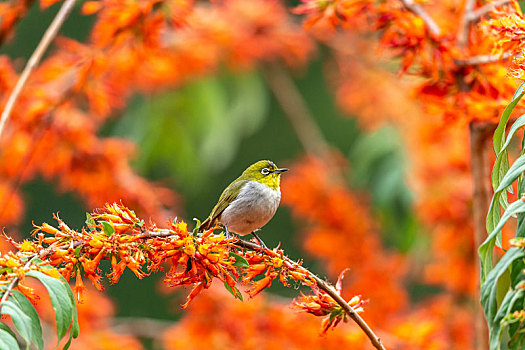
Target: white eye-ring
point(265, 171)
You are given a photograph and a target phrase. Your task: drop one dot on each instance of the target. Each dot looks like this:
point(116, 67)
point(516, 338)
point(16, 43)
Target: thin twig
point(464, 28)
point(35, 58)
point(376, 342)
point(476, 15)
point(295, 108)
point(482, 59)
point(416, 9)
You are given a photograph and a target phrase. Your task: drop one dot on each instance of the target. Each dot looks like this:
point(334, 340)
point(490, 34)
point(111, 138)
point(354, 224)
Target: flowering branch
point(416, 9)
point(194, 258)
point(48, 37)
point(376, 341)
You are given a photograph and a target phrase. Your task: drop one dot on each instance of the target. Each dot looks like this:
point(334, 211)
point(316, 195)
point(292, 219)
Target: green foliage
point(503, 284)
point(26, 320)
point(197, 128)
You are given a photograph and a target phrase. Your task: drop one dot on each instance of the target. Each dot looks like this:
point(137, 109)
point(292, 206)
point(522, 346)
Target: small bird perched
point(250, 201)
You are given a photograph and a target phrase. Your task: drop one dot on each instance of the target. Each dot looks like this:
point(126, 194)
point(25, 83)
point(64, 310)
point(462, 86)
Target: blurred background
point(376, 183)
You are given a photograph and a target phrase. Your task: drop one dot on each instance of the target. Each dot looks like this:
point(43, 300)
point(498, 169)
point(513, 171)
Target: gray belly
point(252, 209)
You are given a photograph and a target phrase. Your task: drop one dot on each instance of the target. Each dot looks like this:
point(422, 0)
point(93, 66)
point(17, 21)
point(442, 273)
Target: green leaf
point(107, 228)
point(62, 303)
point(75, 328)
point(7, 338)
point(7, 329)
point(26, 306)
point(490, 285)
point(520, 122)
point(20, 319)
point(496, 327)
point(500, 130)
point(485, 250)
point(237, 294)
point(239, 260)
point(514, 172)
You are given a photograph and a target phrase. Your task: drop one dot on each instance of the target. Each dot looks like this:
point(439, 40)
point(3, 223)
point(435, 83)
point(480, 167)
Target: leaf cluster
point(503, 283)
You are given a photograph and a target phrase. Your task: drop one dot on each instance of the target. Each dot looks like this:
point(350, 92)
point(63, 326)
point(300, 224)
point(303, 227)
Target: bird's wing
point(228, 195)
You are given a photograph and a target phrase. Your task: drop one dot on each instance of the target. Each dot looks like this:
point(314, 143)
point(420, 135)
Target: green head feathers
point(264, 171)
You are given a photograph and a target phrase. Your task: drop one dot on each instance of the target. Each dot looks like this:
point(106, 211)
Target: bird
point(249, 202)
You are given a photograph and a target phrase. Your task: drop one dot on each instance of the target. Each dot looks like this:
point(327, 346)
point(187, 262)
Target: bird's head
point(265, 172)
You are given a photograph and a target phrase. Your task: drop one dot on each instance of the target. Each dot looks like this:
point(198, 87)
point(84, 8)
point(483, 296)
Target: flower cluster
point(322, 304)
point(115, 234)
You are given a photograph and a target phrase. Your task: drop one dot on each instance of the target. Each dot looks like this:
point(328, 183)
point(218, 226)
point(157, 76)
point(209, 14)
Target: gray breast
point(252, 209)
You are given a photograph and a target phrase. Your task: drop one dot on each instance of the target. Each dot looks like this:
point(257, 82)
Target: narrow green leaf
point(7, 339)
point(485, 250)
point(513, 129)
point(75, 329)
point(237, 294)
point(490, 285)
point(496, 327)
point(20, 319)
point(28, 308)
point(107, 228)
point(500, 130)
point(514, 172)
point(59, 295)
point(239, 260)
point(494, 213)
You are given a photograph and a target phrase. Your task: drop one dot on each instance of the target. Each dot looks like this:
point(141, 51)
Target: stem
point(416, 9)
point(480, 135)
point(464, 29)
point(296, 110)
point(376, 342)
point(35, 58)
point(476, 15)
point(482, 59)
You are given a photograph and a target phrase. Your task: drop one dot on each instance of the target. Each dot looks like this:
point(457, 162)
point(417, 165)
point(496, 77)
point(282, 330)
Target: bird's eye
point(265, 171)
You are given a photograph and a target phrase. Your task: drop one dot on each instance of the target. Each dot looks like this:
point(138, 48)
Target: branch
point(464, 29)
point(330, 291)
point(416, 9)
point(476, 15)
point(296, 110)
point(482, 59)
point(115, 233)
point(35, 58)
point(376, 341)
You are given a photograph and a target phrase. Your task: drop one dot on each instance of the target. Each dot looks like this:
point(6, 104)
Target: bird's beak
point(281, 170)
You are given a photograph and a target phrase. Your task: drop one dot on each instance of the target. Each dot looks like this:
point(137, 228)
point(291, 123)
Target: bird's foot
point(226, 232)
point(261, 243)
